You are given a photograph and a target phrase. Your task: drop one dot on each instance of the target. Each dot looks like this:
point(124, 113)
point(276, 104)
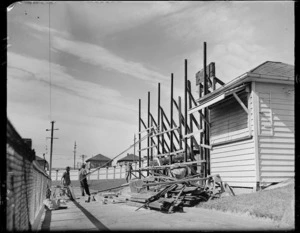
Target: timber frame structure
point(186, 141)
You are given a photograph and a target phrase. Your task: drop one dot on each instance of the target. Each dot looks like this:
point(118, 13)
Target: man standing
point(66, 181)
point(128, 170)
point(83, 182)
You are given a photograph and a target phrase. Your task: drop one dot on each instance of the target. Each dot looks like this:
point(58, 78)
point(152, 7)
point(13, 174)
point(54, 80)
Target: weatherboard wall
point(233, 153)
point(275, 132)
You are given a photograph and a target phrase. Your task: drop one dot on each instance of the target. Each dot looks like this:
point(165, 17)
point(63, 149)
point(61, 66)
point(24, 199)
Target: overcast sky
point(89, 65)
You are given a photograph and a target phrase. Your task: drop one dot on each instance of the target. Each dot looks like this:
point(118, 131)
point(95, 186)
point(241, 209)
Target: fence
point(26, 184)
point(114, 172)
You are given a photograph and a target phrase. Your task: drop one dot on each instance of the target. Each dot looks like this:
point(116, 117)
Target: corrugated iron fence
point(26, 184)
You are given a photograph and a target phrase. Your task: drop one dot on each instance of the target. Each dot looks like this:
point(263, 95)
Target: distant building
point(130, 158)
point(99, 160)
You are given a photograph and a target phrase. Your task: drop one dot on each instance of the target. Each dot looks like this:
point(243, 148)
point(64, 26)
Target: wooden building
point(98, 160)
point(252, 126)
point(129, 158)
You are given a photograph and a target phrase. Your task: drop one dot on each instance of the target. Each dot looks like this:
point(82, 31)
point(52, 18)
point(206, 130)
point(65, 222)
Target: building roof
point(269, 71)
point(129, 157)
point(98, 157)
point(271, 68)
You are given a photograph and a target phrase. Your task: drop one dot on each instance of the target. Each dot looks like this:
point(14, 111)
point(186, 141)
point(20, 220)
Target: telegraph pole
point(83, 156)
point(74, 154)
point(51, 148)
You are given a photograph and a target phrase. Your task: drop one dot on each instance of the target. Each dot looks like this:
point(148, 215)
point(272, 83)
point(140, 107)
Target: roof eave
point(247, 77)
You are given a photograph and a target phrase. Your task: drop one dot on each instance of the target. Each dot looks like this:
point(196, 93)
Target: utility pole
point(83, 156)
point(51, 148)
point(74, 154)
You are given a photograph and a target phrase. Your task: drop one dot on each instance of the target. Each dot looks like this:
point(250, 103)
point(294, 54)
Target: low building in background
point(129, 158)
point(98, 161)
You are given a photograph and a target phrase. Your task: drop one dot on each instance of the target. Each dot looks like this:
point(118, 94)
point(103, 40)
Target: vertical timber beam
point(158, 118)
point(180, 125)
point(171, 117)
point(185, 110)
point(191, 123)
point(140, 128)
point(148, 131)
point(206, 135)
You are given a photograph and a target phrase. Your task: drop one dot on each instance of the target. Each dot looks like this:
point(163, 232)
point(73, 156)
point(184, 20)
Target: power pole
point(83, 156)
point(74, 154)
point(51, 148)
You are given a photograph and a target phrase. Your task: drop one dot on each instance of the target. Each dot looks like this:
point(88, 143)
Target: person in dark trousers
point(129, 170)
point(83, 182)
point(66, 181)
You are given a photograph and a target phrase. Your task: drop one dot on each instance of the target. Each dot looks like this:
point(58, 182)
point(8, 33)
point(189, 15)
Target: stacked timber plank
point(169, 195)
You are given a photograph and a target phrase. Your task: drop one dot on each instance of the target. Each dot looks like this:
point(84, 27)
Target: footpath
point(96, 216)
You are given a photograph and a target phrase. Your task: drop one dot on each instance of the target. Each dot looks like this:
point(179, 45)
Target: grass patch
point(266, 203)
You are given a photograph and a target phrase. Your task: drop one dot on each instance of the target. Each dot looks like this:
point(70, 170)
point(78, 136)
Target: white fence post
point(114, 172)
point(120, 171)
point(106, 172)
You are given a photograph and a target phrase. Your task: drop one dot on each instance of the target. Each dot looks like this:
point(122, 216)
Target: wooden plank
point(169, 130)
point(238, 179)
point(269, 174)
point(170, 165)
point(277, 157)
point(206, 146)
point(280, 168)
point(147, 148)
point(170, 153)
point(281, 162)
point(277, 145)
point(202, 106)
point(193, 133)
point(238, 147)
point(240, 102)
point(233, 168)
point(234, 173)
point(277, 151)
point(233, 163)
point(273, 179)
point(152, 127)
point(238, 157)
point(242, 184)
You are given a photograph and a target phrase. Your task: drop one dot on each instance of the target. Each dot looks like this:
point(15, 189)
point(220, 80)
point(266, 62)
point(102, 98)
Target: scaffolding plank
point(193, 133)
point(169, 130)
point(147, 148)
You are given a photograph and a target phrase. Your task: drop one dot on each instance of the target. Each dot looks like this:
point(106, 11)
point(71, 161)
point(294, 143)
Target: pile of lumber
point(170, 194)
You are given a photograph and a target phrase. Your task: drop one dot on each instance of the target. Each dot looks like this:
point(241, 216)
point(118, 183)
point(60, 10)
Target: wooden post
point(98, 174)
point(162, 136)
point(185, 110)
point(191, 122)
point(106, 172)
point(158, 119)
point(114, 172)
point(120, 171)
point(140, 152)
point(56, 175)
point(151, 141)
point(148, 131)
point(171, 117)
point(206, 135)
point(180, 125)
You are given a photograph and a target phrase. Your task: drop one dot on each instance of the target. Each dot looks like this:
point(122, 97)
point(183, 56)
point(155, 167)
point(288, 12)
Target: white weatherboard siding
point(235, 161)
point(276, 132)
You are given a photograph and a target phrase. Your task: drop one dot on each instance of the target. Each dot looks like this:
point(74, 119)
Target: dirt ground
point(79, 215)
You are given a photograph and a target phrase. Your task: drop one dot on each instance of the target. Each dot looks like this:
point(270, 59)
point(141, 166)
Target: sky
point(85, 65)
